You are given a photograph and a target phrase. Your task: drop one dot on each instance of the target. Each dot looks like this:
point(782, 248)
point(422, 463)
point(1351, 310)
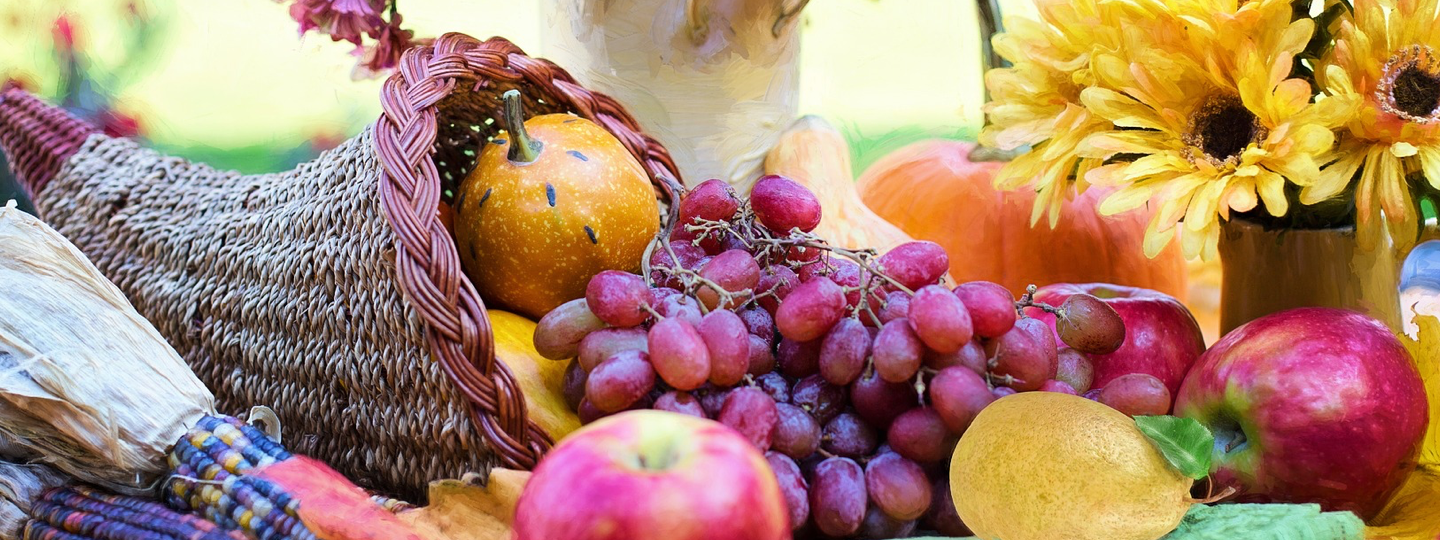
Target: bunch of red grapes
point(856, 374)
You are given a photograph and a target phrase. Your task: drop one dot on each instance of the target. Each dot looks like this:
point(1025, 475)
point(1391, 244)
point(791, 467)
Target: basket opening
point(466, 120)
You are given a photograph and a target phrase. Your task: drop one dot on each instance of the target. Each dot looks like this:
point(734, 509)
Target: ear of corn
point(81, 513)
point(209, 469)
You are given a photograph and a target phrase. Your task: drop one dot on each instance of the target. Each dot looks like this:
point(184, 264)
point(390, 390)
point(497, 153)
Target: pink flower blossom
point(342, 20)
point(391, 42)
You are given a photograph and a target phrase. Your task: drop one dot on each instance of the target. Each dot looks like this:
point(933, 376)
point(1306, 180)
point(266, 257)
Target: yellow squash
point(540, 378)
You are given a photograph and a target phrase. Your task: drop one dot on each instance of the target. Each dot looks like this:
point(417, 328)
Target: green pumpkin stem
point(523, 149)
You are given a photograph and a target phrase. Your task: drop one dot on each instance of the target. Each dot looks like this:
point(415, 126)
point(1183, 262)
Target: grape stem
point(672, 216)
point(1028, 300)
point(653, 313)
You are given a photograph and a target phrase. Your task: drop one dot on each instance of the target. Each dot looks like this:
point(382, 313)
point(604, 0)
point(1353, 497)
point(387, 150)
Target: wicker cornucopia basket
point(330, 293)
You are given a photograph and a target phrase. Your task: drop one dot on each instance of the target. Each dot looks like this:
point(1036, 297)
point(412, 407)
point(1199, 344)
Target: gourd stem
point(523, 149)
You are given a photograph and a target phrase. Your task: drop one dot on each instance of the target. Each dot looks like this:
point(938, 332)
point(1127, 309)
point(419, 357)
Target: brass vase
point(1266, 271)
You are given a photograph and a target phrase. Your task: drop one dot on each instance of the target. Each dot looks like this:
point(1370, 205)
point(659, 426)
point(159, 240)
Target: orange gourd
point(933, 191)
point(814, 154)
point(552, 201)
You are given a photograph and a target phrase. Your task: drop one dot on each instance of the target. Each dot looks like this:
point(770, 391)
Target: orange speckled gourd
point(548, 206)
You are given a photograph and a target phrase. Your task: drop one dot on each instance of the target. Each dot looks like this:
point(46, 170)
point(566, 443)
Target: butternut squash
point(816, 155)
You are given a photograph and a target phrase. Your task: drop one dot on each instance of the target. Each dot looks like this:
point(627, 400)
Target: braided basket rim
point(427, 262)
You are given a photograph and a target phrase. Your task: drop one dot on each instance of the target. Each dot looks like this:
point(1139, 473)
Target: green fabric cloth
point(1257, 522)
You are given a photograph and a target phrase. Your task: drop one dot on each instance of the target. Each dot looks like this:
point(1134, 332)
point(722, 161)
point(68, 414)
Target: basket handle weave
point(429, 269)
point(37, 138)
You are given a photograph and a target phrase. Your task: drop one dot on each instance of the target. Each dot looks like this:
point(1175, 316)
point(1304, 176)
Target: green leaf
point(1185, 443)
point(1266, 522)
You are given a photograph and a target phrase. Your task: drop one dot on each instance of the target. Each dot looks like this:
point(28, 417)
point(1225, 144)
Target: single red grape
point(712, 200)
point(991, 307)
point(1002, 391)
point(735, 271)
point(797, 359)
point(939, 319)
point(847, 435)
point(558, 334)
point(588, 412)
point(810, 310)
point(879, 526)
point(1027, 353)
point(728, 344)
point(605, 342)
point(775, 385)
point(897, 306)
point(837, 496)
point(712, 398)
point(958, 394)
point(797, 434)
point(620, 380)
point(843, 352)
point(618, 298)
point(1089, 325)
point(762, 359)
point(681, 307)
point(759, 322)
point(971, 355)
point(819, 398)
point(847, 274)
point(1136, 394)
point(878, 401)
point(915, 264)
point(942, 517)
point(777, 280)
point(1074, 369)
point(897, 486)
point(752, 413)
point(573, 386)
point(680, 402)
point(686, 256)
point(921, 436)
point(792, 487)
point(1058, 386)
point(897, 351)
point(679, 354)
point(781, 204)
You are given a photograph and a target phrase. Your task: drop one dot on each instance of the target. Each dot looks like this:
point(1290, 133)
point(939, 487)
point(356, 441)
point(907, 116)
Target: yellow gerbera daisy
point(1210, 129)
point(1389, 66)
point(1037, 101)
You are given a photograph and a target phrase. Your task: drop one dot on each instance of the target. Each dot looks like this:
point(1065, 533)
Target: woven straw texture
point(331, 293)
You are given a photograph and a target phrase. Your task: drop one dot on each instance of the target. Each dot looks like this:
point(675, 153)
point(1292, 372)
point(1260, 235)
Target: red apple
point(1161, 336)
point(1310, 405)
point(643, 475)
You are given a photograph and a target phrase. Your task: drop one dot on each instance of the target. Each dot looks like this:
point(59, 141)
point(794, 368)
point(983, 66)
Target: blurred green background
point(231, 83)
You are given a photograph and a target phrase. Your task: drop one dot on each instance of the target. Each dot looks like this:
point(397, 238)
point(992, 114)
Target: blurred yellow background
point(234, 73)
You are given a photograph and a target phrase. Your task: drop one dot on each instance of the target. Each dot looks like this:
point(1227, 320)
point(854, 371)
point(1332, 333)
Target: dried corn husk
point(21, 485)
point(86, 384)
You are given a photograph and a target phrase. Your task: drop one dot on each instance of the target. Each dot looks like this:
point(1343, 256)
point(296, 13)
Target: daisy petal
point(1272, 189)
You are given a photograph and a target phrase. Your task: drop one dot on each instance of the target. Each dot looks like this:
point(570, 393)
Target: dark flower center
point(1417, 92)
point(1410, 85)
point(1222, 128)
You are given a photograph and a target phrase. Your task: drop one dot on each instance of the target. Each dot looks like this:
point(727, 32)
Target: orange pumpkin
point(551, 202)
point(932, 191)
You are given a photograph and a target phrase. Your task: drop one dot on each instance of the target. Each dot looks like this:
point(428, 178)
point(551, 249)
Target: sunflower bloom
point(1210, 129)
point(1388, 65)
point(1037, 101)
